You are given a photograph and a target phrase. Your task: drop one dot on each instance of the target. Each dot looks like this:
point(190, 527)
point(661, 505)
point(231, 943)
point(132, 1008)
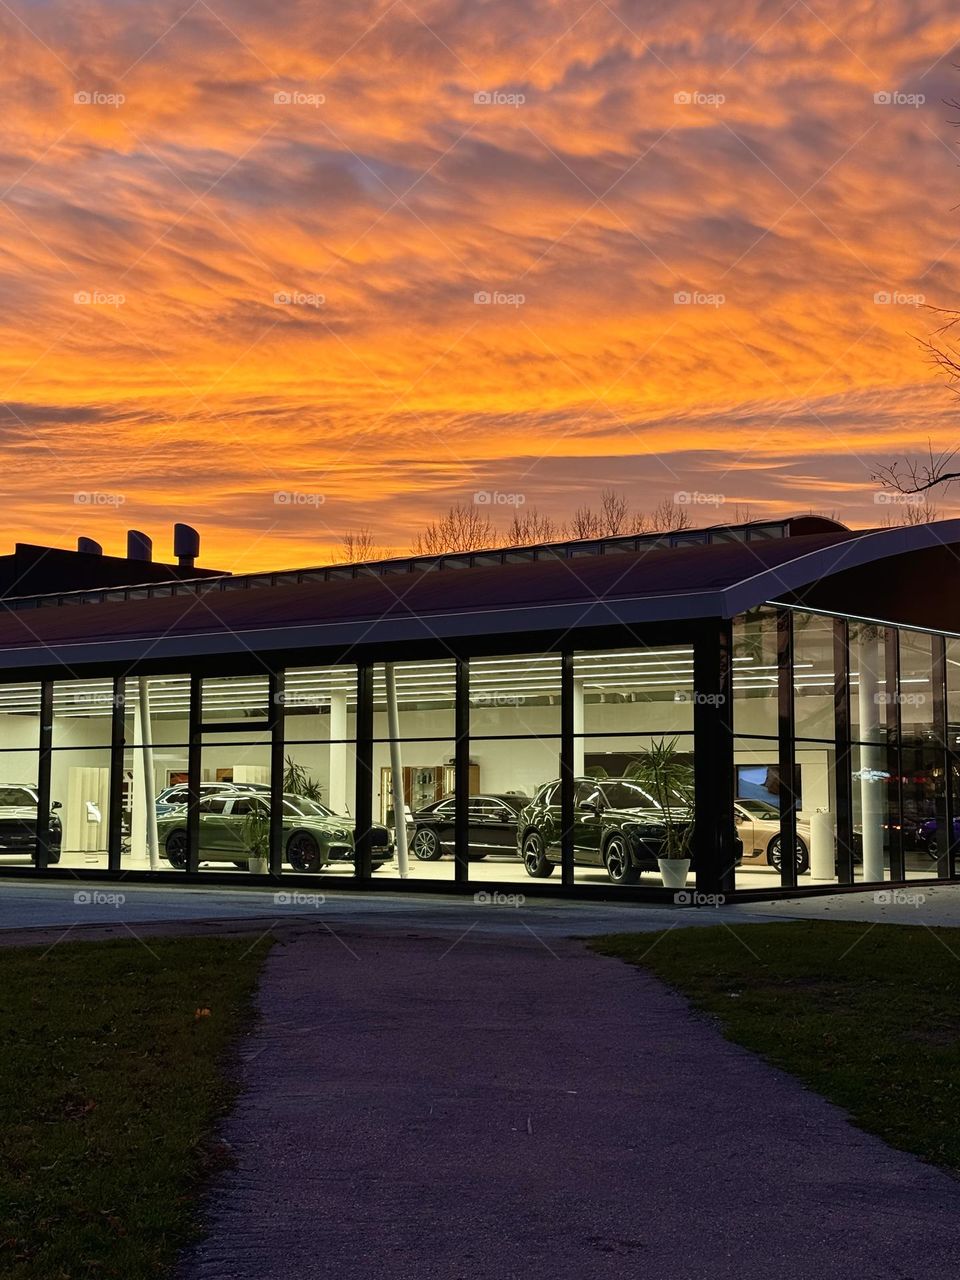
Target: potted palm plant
point(297, 782)
point(256, 840)
point(668, 777)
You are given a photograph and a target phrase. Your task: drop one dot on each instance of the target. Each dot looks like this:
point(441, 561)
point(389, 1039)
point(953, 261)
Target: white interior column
point(396, 769)
point(337, 786)
point(578, 742)
point(149, 774)
point(872, 757)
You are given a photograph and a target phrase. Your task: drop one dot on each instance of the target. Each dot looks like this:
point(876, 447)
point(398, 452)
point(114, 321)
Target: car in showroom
point(173, 797)
point(19, 803)
point(758, 826)
point(617, 825)
point(492, 826)
point(313, 835)
point(928, 838)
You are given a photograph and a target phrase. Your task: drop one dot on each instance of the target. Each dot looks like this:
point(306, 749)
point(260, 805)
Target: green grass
point(113, 1071)
point(868, 1016)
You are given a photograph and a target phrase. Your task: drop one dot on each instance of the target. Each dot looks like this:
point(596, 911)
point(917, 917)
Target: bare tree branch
point(463, 528)
point(912, 475)
point(359, 545)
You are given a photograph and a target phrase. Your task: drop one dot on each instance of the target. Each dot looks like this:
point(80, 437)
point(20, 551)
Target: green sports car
point(312, 834)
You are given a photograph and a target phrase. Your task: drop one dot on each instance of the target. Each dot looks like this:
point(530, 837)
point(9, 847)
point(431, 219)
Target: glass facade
point(785, 750)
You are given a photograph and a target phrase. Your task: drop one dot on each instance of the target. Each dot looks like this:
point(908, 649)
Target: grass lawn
point(113, 1072)
point(868, 1016)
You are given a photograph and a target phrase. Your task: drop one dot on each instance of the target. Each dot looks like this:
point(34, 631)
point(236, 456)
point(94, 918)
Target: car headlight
point(645, 830)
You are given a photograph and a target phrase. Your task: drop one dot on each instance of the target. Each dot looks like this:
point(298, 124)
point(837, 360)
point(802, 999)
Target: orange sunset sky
point(188, 167)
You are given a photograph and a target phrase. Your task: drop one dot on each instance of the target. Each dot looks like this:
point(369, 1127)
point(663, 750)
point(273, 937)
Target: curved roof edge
point(865, 548)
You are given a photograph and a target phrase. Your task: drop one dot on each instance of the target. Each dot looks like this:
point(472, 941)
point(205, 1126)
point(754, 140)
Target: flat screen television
point(762, 782)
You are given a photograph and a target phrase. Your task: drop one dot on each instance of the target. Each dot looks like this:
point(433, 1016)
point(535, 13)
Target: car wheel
point(176, 849)
point(303, 852)
point(932, 848)
point(535, 859)
point(426, 845)
point(616, 858)
point(802, 855)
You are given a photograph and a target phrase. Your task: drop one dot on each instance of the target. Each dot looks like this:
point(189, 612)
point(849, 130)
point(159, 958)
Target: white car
point(758, 826)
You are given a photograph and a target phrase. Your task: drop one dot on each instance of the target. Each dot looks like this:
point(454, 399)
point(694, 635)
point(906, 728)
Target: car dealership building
point(805, 675)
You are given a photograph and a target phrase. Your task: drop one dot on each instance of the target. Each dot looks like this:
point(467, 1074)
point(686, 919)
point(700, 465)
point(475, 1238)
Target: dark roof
point(716, 580)
point(137, 579)
point(32, 570)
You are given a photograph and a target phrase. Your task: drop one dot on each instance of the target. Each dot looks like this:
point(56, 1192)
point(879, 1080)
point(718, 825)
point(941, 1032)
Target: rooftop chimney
point(89, 547)
point(139, 546)
point(186, 545)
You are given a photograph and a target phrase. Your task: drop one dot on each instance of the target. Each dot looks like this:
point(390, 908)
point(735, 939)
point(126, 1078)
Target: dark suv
point(616, 824)
point(18, 821)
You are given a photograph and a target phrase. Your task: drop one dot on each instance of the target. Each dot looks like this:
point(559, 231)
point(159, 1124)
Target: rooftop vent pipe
point(186, 545)
point(89, 547)
point(139, 546)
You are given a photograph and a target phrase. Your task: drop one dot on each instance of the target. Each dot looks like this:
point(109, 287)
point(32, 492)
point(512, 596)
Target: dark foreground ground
point(516, 1107)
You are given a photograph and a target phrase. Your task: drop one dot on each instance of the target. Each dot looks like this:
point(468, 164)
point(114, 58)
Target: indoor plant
point(662, 771)
point(297, 782)
point(256, 840)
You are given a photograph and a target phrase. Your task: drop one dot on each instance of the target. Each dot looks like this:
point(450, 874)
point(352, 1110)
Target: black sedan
point(492, 826)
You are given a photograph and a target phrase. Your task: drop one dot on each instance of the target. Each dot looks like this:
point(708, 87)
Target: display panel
point(762, 782)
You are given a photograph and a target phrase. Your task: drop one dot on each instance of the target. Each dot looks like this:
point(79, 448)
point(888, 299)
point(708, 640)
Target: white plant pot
point(258, 866)
point(674, 872)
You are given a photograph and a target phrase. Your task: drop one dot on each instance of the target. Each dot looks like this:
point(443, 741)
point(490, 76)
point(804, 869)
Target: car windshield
point(628, 795)
point(757, 809)
point(13, 797)
point(305, 808)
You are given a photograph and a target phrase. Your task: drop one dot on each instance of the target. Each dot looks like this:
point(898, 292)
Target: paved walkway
point(511, 1108)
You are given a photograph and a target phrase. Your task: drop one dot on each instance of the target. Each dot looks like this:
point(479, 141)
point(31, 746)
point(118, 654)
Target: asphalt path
point(510, 1106)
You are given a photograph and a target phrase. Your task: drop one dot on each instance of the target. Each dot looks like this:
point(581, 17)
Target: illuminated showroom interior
point(495, 719)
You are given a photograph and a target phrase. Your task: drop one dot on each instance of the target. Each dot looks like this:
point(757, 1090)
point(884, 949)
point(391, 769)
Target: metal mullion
point(944, 799)
point(842, 768)
point(44, 769)
point(363, 869)
point(713, 831)
point(194, 763)
point(461, 784)
point(891, 655)
point(275, 685)
point(567, 780)
point(786, 749)
point(115, 803)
